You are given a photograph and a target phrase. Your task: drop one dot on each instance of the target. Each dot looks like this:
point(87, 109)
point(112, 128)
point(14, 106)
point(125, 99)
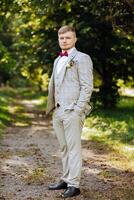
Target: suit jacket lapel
point(52, 76)
point(51, 83)
point(55, 63)
point(70, 57)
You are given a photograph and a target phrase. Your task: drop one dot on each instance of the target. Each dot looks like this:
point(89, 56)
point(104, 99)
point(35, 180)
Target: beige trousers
point(68, 127)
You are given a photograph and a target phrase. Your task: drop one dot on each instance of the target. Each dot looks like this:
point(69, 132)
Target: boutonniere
point(70, 64)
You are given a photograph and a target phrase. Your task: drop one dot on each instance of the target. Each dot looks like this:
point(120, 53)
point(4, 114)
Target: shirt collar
point(70, 50)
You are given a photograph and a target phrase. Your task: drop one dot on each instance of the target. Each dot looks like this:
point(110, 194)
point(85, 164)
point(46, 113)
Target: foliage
point(105, 31)
point(7, 61)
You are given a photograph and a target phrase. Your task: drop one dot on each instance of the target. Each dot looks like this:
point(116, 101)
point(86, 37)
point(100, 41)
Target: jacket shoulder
point(82, 55)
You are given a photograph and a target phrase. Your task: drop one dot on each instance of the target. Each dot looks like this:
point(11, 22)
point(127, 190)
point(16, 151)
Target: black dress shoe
point(71, 192)
point(58, 186)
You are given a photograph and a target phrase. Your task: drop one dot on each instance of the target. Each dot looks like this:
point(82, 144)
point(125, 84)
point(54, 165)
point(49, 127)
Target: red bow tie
point(63, 54)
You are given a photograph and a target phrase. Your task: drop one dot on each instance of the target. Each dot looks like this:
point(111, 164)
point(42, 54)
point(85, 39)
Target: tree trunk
point(108, 91)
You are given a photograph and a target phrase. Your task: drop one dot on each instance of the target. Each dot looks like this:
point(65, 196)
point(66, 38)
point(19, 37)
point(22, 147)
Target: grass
point(6, 97)
point(113, 131)
point(5, 155)
point(110, 130)
point(37, 176)
point(12, 108)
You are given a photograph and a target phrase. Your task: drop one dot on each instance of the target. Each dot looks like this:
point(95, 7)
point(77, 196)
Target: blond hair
point(65, 29)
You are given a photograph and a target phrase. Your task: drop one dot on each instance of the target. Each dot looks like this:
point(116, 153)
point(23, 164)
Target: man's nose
point(64, 40)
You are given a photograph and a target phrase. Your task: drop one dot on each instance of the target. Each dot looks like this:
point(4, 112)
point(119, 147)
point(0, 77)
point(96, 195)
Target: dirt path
point(30, 160)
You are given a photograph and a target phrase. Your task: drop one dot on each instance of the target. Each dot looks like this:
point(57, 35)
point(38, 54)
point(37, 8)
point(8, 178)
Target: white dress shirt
point(62, 61)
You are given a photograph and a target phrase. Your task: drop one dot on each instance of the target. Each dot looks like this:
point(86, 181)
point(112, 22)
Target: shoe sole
point(70, 196)
point(57, 188)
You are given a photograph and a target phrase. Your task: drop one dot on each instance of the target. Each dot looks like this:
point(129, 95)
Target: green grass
point(32, 94)
point(37, 176)
point(12, 110)
point(110, 130)
point(6, 97)
point(113, 130)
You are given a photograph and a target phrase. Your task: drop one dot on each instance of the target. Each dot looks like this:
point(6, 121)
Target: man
point(70, 89)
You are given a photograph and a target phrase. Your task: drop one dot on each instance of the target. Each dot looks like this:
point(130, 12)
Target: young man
point(70, 89)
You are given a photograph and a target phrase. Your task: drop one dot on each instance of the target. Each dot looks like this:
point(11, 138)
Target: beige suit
point(71, 89)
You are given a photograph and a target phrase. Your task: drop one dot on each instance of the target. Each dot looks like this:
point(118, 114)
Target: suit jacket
point(73, 88)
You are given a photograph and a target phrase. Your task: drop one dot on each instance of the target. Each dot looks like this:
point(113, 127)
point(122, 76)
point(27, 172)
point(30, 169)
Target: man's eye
point(64, 38)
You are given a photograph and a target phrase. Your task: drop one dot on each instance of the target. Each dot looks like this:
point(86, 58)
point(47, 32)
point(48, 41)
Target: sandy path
point(30, 160)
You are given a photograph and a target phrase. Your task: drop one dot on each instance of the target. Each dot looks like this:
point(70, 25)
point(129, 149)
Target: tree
point(105, 31)
point(7, 60)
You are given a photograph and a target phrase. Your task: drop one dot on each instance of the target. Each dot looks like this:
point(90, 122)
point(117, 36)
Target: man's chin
point(66, 48)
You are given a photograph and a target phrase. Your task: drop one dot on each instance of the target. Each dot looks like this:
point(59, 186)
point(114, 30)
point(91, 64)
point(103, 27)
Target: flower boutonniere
point(70, 64)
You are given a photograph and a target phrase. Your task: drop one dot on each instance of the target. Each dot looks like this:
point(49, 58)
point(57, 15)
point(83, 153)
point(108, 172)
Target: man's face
point(67, 40)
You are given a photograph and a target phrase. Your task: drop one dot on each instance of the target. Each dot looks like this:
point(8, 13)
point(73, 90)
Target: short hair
point(65, 29)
